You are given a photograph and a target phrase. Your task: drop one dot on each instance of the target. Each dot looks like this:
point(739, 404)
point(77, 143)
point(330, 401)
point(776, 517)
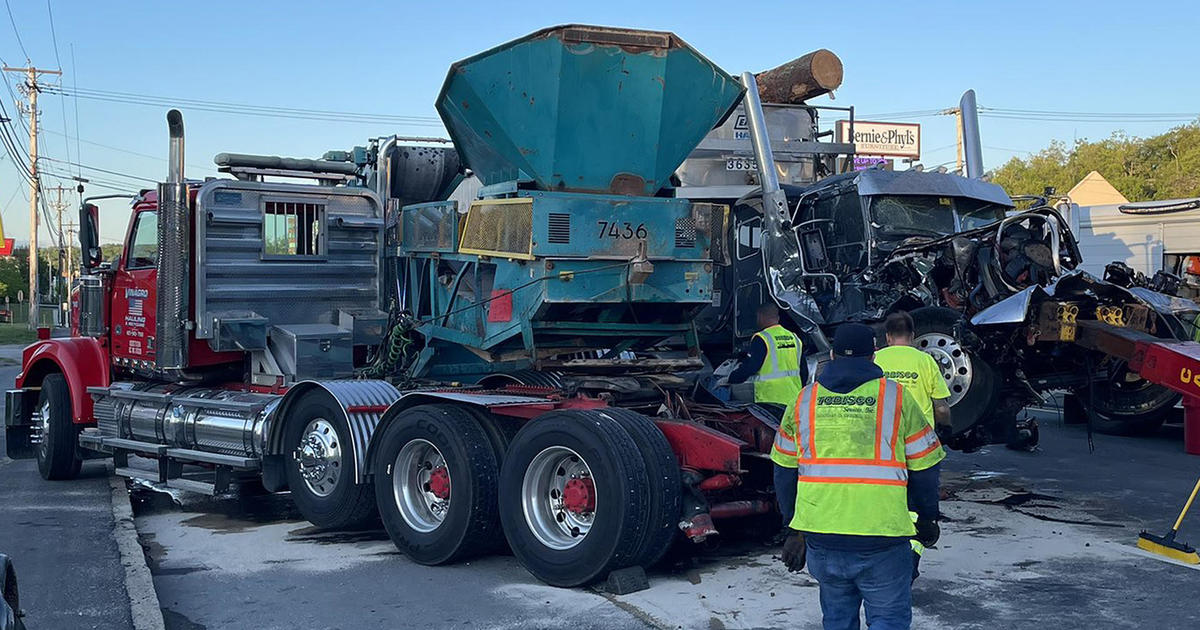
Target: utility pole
point(958, 160)
point(30, 90)
point(59, 205)
point(69, 271)
point(959, 165)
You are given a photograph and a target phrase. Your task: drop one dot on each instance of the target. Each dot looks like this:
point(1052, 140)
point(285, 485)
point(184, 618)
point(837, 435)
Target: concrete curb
point(143, 599)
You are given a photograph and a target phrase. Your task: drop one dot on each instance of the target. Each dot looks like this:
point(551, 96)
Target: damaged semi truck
point(994, 292)
point(520, 365)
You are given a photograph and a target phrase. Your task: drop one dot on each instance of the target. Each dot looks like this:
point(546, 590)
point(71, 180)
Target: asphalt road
point(1031, 540)
point(59, 535)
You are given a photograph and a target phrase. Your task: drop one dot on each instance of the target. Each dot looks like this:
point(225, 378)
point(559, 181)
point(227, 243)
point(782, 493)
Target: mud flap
point(18, 405)
point(274, 473)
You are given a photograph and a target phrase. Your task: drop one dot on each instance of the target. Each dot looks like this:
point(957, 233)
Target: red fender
point(82, 360)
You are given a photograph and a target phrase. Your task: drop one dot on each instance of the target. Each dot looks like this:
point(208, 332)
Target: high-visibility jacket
point(917, 372)
point(854, 451)
point(778, 380)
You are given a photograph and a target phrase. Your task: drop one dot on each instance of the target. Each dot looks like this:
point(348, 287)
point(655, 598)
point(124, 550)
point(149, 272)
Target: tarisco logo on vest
point(846, 400)
point(902, 374)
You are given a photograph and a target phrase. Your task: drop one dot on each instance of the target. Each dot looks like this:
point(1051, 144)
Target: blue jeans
point(879, 581)
point(785, 492)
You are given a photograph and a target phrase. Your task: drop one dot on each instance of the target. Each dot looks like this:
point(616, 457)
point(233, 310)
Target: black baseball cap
point(853, 340)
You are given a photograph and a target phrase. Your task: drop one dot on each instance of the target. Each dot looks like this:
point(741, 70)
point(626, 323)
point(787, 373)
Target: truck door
point(133, 302)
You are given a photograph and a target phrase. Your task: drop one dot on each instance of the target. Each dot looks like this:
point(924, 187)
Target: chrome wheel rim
point(952, 360)
point(44, 426)
point(558, 498)
point(421, 485)
point(319, 456)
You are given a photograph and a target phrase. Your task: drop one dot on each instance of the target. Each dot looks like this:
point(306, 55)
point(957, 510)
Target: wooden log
point(819, 72)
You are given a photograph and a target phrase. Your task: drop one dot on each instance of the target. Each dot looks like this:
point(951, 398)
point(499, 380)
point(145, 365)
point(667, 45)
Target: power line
point(15, 31)
point(75, 106)
point(1039, 112)
point(916, 113)
point(119, 149)
point(62, 100)
point(98, 169)
point(249, 110)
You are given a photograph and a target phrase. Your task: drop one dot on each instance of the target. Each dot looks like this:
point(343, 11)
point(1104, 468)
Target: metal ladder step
point(192, 485)
point(151, 477)
point(233, 461)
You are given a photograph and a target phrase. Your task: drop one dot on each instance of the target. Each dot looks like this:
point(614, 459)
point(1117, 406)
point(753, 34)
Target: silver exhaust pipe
point(175, 147)
point(972, 146)
point(174, 257)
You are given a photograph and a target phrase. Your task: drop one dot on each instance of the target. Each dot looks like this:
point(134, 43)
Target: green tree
point(1166, 166)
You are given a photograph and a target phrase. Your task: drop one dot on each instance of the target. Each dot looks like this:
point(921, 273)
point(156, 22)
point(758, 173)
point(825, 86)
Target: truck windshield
point(897, 217)
point(921, 215)
point(973, 213)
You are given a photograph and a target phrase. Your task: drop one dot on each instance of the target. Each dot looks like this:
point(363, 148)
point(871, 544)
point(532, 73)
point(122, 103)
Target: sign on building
point(882, 139)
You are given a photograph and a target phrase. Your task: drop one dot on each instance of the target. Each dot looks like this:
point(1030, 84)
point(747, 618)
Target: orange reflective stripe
point(784, 451)
point(921, 443)
point(919, 434)
point(812, 421)
point(879, 419)
point(932, 447)
point(854, 480)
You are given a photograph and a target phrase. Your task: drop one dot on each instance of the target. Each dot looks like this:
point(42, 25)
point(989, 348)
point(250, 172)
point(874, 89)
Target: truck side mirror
point(89, 236)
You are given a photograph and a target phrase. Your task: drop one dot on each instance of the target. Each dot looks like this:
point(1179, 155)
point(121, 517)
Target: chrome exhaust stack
point(972, 146)
point(174, 256)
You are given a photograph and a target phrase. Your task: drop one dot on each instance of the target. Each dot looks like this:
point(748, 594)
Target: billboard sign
point(882, 138)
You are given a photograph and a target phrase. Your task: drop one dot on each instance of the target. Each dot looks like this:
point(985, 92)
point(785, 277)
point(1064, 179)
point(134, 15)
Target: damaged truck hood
point(1079, 286)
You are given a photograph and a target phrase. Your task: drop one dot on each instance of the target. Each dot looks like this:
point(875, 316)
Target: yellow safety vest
point(848, 484)
point(778, 380)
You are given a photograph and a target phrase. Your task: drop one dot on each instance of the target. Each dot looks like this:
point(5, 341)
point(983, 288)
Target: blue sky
point(390, 58)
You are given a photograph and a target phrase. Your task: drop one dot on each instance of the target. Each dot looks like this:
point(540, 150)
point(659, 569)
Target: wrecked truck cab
point(972, 271)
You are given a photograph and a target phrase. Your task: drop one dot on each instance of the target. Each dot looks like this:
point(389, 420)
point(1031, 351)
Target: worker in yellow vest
point(776, 366)
point(858, 439)
point(919, 374)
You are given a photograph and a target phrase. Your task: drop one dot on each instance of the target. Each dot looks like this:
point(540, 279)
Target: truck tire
point(57, 455)
point(436, 484)
point(319, 459)
point(665, 484)
point(972, 381)
point(1129, 407)
point(574, 498)
point(499, 429)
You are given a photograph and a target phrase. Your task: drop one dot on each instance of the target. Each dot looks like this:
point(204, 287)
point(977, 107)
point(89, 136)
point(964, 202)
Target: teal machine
point(575, 258)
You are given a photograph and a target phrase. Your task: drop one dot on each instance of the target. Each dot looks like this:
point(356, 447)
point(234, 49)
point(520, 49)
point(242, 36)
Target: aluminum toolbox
point(312, 351)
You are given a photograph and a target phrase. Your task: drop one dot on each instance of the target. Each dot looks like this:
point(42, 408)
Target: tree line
point(1166, 166)
point(14, 270)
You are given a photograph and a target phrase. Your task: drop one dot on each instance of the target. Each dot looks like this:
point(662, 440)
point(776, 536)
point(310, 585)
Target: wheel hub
point(421, 485)
point(41, 429)
point(952, 360)
point(319, 457)
point(439, 482)
point(579, 496)
point(559, 497)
